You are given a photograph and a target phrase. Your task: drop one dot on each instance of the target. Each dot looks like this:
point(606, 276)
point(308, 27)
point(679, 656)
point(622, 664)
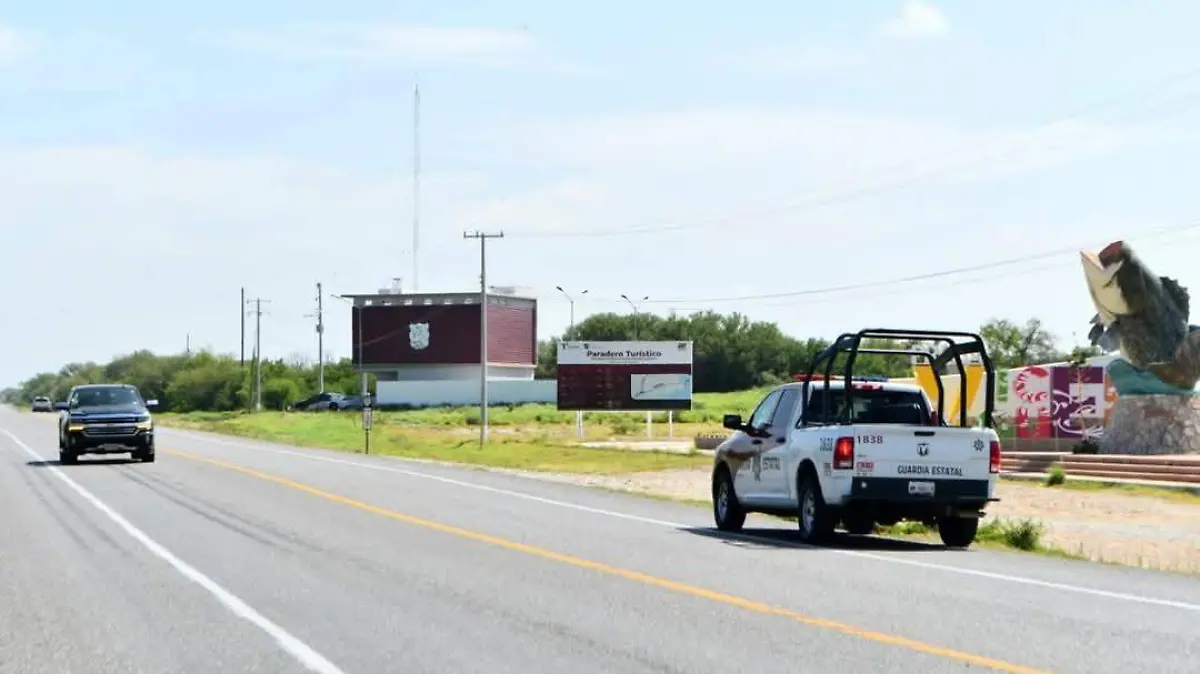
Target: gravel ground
point(1101, 525)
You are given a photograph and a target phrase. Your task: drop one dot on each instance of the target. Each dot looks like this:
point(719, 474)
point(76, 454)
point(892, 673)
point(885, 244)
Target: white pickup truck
point(875, 452)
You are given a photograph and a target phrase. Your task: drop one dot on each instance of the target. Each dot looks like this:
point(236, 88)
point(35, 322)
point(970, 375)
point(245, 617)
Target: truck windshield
point(871, 406)
point(94, 397)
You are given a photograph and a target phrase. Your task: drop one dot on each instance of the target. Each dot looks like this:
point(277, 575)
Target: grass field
point(528, 437)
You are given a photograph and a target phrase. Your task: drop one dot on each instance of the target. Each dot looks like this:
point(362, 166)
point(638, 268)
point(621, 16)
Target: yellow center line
point(628, 574)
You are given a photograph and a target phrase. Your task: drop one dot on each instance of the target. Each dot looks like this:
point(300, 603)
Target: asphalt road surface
point(229, 555)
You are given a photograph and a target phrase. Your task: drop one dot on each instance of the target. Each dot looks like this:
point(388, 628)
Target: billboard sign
point(652, 376)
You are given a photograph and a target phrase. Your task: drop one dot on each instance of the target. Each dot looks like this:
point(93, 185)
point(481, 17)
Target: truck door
point(747, 481)
point(775, 459)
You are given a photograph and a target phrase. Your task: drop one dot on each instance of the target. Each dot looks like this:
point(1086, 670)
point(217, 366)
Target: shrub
point(1023, 535)
point(1055, 476)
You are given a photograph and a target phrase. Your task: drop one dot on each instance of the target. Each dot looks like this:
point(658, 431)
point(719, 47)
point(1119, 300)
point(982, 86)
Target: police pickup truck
point(860, 452)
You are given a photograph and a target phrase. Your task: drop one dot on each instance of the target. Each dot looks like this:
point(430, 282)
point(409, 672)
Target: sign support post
point(367, 418)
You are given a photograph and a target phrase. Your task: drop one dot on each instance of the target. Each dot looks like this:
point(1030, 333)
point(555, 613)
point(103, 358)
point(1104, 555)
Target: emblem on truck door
point(922, 449)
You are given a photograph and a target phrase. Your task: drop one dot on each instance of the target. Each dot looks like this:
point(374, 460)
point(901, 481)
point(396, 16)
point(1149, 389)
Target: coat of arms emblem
point(418, 335)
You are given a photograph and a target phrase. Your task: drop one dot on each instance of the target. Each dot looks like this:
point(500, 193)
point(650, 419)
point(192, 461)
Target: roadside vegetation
point(732, 353)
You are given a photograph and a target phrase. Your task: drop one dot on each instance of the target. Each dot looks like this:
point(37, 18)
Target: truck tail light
point(994, 450)
point(843, 453)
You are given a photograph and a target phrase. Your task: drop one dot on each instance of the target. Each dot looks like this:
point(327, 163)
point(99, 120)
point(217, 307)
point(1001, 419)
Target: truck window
point(872, 406)
point(765, 410)
point(784, 410)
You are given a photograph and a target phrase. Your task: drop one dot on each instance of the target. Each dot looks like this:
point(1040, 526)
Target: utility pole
point(243, 313)
point(483, 331)
point(571, 301)
point(258, 301)
point(320, 316)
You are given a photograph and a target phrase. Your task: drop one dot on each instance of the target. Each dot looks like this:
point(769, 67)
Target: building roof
point(432, 299)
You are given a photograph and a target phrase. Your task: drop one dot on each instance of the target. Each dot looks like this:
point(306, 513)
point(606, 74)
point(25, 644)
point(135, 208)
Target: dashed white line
point(991, 575)
point(302, 652)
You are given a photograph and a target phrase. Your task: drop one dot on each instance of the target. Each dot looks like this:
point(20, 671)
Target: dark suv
point(105, 419)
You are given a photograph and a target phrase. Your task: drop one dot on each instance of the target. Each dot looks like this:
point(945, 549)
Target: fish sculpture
point(1145, 317)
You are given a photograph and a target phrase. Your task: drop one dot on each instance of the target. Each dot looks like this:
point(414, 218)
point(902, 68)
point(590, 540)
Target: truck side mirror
point(61, 406)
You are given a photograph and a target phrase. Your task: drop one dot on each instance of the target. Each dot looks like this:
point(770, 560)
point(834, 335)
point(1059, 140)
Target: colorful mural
point(1056, 400)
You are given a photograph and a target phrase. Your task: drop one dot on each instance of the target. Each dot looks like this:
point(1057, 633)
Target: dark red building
point(436, 336)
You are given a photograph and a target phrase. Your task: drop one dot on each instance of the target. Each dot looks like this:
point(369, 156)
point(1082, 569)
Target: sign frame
point(625, 376)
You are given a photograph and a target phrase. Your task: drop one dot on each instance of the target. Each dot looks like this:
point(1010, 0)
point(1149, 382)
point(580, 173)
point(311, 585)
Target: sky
point(155, 158)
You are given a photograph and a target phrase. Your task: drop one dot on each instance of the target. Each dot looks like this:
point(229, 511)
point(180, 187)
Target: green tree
point(1011, 345)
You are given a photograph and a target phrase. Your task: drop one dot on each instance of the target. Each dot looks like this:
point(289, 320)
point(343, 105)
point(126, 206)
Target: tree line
point(731, 353)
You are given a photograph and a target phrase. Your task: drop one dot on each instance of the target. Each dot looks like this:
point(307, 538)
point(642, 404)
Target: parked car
point(326, 401)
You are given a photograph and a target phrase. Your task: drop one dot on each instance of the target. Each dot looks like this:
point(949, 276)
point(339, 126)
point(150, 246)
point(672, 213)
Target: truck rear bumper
point(902, 490)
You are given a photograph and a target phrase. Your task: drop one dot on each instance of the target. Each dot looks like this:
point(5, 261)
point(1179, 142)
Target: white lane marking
point(1004, 577)
point(302, 652)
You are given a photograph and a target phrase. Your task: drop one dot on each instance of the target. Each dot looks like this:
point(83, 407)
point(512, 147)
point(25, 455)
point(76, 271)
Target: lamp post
point(649, 414)
point(570, 330)
point(571, 302)
point(635, 312)
point(359, 346)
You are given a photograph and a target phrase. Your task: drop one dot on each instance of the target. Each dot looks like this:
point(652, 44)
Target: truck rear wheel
point(815, 519)
point(727, 511)
point(958, 532)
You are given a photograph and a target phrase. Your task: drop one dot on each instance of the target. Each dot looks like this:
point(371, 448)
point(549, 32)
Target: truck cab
point(855, 452)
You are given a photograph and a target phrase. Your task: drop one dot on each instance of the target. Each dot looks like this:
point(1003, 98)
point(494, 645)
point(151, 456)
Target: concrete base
point(1153, 424)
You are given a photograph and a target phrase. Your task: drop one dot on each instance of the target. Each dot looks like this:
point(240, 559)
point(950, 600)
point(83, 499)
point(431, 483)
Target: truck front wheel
point(958, 532)
point(815, 519)
point(727, 511)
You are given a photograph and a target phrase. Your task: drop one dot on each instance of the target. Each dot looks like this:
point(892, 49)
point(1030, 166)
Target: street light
point(571, 301)
point(358, 315)
point(635, 311)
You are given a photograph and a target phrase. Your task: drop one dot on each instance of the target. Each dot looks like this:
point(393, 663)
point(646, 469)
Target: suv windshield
point(871, 406)
point(115, 395)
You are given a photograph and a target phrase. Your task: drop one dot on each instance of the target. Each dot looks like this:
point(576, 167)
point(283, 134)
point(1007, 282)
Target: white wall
point(465, 392)
point(423, 373)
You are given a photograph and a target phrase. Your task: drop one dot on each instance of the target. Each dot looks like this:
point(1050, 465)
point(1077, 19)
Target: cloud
point(803, 60)
point(806, 142)
point(917, 20)
point(12, 45)
point(409, 44)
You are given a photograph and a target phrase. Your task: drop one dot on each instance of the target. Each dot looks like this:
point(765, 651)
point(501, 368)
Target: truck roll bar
point(851, 344)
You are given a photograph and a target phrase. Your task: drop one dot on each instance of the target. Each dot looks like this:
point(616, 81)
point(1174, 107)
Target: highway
point(231, 555)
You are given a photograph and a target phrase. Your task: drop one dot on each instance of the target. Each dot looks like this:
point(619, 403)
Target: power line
point(815, 199)
point(945, 273)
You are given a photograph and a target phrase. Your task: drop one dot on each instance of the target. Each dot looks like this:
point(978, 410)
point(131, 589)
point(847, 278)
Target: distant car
point(105, 419)
point(326, 401)
point(42, 404)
